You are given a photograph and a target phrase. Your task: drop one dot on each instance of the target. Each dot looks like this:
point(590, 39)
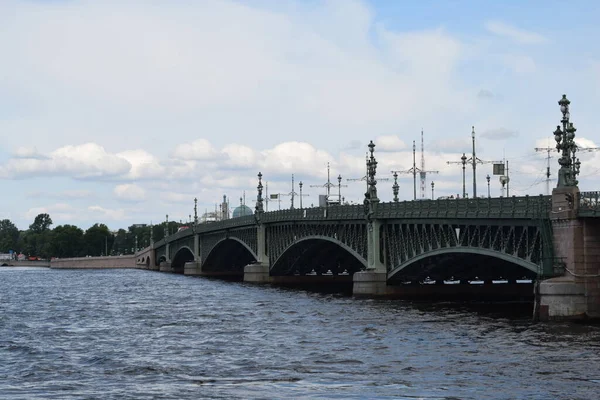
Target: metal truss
point(525, 242)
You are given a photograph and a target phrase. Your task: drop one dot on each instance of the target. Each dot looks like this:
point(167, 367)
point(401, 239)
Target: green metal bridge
point(435, 240)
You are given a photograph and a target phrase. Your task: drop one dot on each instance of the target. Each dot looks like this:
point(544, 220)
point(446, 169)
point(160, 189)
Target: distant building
point(241, 211)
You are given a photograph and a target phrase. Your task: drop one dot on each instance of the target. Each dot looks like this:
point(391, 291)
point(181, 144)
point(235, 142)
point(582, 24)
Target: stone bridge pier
point(575, 294)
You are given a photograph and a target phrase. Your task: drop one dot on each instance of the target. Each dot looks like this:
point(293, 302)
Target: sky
point(124, 111)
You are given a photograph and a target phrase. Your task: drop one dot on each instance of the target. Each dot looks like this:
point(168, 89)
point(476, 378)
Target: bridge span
point(483, 247)
point(411, 248)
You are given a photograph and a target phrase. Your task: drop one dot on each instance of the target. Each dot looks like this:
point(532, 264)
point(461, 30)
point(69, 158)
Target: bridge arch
point(468, 263)
point(229, 255)
point(184, 254)
point(317, 254)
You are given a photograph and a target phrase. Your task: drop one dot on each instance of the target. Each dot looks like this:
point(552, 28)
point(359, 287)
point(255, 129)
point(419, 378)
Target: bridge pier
point(369, 284)
point(192, 268)
point(257, 273)
point(576, 294)
point(165, 266)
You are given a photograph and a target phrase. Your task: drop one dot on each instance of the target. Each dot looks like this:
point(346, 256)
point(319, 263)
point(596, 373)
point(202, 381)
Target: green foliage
point(98, 240)
point(67, 242)
point(71, 241)
point(41, 223)
point(9, 236)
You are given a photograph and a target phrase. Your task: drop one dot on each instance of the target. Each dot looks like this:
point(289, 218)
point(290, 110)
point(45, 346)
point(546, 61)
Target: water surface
point(130, 334)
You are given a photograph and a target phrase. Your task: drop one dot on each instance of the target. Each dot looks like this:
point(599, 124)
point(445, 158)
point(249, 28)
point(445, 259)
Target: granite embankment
point(128, 261)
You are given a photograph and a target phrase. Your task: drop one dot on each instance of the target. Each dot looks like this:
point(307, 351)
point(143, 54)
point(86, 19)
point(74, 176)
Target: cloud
point(199, 149)
point(129, 192)
point(296, 157)
point(143, 164)
point(57, 211)
point(29, 152)
point(84, 161)
point(499, 134)
point(389, 143)
point(102, 213)
point(517, 35)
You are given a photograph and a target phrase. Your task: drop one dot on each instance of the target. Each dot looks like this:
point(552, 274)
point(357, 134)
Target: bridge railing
point(350, 212)
point(589, 203)
point(499, 207)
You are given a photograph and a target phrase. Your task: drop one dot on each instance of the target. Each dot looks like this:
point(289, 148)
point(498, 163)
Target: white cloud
point(199, 149)
point(102, 213)
point(85, 161)
point(515, 34)
point(130, 192)
point(389, 143)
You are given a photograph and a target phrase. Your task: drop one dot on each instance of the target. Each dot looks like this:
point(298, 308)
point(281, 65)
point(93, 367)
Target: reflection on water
point(131, 334)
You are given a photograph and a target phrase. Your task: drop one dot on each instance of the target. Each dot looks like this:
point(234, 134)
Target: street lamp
point(300, 184)
point(487, 178)
point(432, 184)
point(565, 142)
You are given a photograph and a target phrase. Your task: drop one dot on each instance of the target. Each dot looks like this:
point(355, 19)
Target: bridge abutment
point(576, 294)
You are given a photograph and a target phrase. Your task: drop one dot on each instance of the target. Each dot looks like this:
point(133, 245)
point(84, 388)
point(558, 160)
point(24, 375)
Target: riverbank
point(128, 261)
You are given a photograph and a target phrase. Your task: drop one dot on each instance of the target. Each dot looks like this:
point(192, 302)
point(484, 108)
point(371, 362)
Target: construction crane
point(328, 185)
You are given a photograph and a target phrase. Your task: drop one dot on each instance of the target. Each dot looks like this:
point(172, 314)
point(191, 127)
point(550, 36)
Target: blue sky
point(124, 111)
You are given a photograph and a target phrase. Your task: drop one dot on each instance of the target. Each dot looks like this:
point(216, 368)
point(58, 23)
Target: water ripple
point(122, 334)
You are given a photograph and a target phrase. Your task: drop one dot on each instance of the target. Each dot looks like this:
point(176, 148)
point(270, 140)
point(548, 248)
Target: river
point(131, 334)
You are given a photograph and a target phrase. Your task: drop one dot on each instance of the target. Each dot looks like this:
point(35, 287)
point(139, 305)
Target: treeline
point(71, 241)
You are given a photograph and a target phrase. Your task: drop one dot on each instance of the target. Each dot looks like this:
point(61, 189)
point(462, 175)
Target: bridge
point(476, 246)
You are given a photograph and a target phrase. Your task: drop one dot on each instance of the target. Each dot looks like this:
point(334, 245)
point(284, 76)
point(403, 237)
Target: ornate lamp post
point(487, 178)
point(395, 187)
point(432, 185)
point(167, 226)
point(372, 170)
point(300, 185)
point(565, 143)
point(259, 198)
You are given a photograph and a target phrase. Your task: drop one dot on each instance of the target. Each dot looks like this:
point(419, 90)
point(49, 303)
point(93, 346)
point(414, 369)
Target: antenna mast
point(423, 172)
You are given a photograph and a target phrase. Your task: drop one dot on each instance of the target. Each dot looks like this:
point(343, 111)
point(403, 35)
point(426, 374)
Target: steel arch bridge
point(498, 238)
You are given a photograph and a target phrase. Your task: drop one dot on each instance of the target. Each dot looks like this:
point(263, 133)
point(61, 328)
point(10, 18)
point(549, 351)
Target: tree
point(120, 243)
point(98, 240)
point(9, 236)
point(67, 241)
point(41, 223)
